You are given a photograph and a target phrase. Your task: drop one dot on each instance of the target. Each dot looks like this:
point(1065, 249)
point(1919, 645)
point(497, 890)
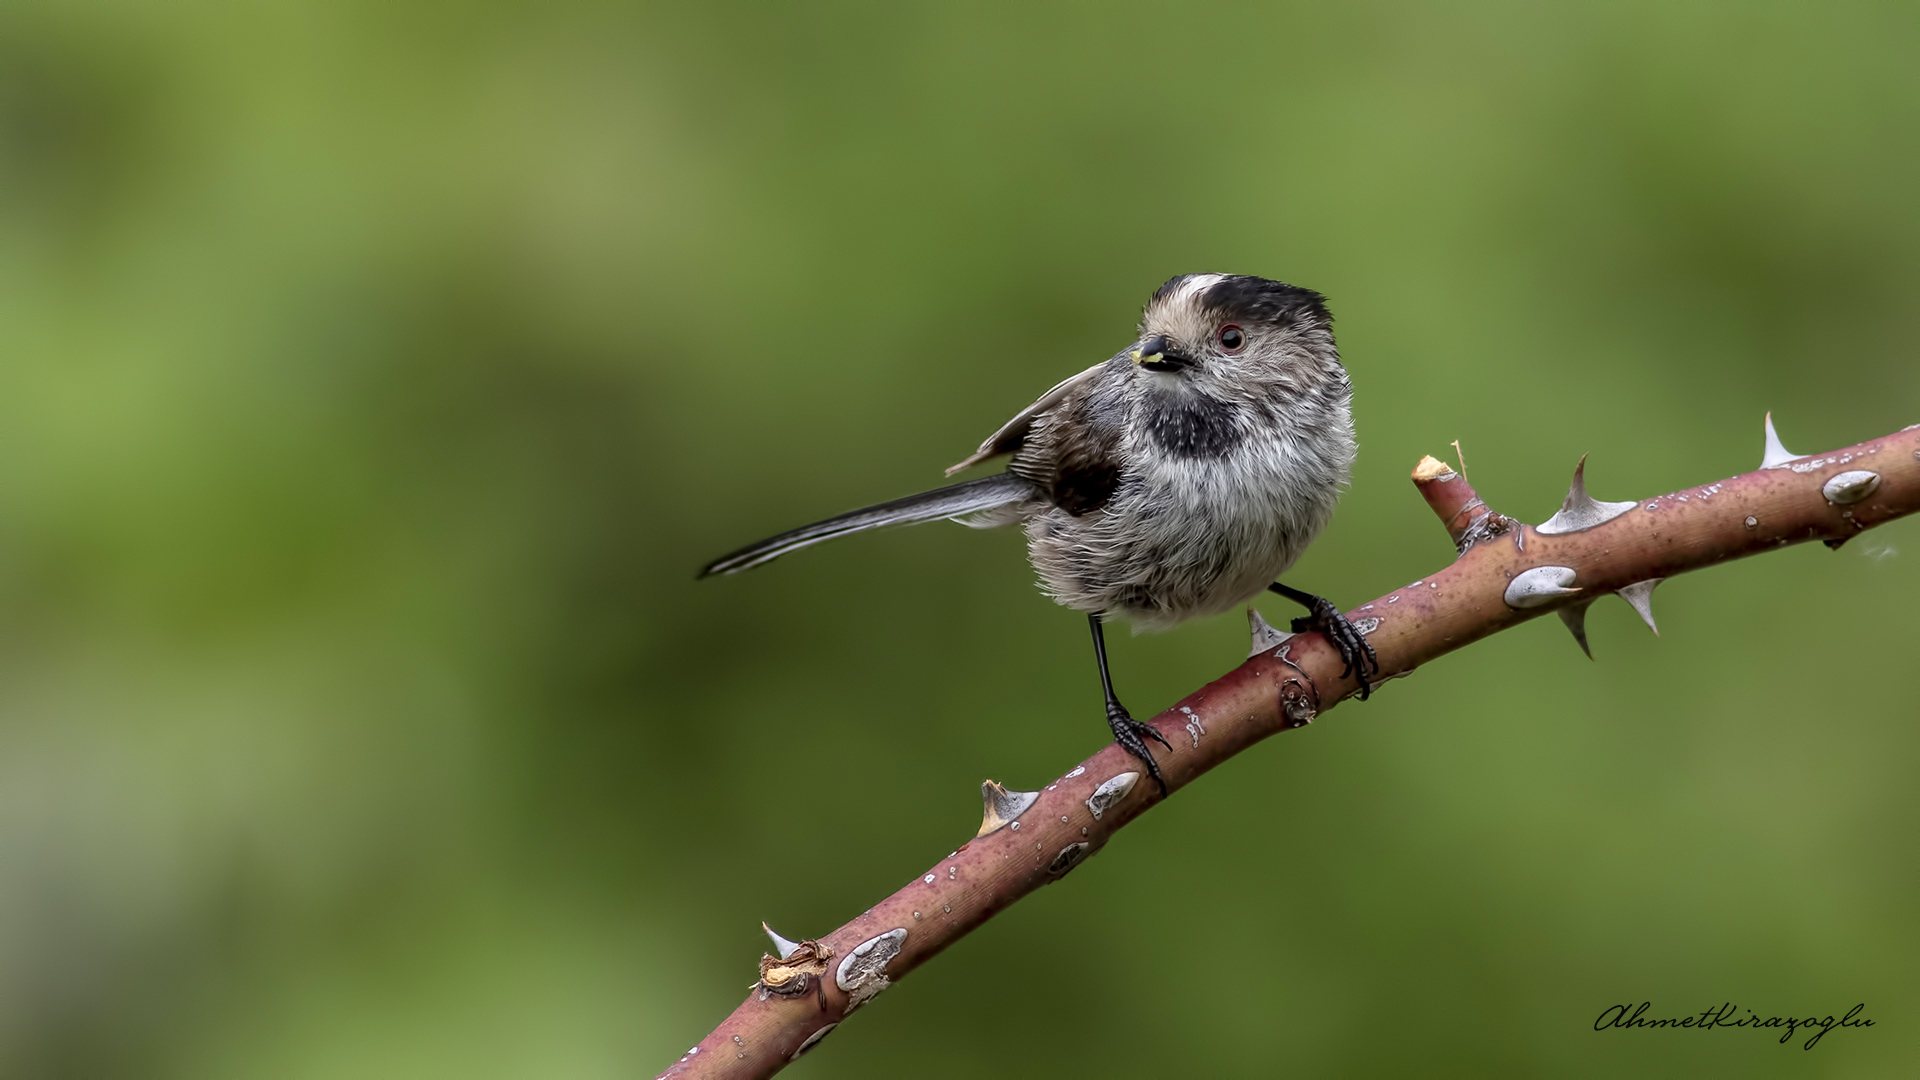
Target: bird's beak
point(1156, 354)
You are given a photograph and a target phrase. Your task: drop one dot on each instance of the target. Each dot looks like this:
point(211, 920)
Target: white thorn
point(1575, 616)
point(1265, 637)
point(1580, 510)
point(781, 945)
point(1540, 585)
point(1776, 454)
point(1850, 487)
point(1640, 596)
point(1000, 807)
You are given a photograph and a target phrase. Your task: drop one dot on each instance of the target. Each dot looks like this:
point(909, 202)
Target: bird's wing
point(1014, 431)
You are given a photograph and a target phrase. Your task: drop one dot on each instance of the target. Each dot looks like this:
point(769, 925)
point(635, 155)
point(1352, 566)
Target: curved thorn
point(1575, 616)
point(1640, 596)
point(1775, 455)
point(781, 945)
point(1000, 807)
point(1265, 637)
point(1580, 510)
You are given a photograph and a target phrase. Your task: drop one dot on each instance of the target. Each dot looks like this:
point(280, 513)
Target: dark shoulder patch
point(1087, 468)
point(1086, 485)
point(1077, 458)
point(1241, 298)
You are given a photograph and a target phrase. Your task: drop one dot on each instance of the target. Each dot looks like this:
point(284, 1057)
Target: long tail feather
point(954, 501)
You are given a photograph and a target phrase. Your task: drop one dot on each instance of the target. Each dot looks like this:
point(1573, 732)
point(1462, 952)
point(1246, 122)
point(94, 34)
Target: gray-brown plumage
point(1179, 478)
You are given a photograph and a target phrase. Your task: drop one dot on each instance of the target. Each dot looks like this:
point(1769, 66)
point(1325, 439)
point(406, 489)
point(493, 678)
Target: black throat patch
point(1192, 425)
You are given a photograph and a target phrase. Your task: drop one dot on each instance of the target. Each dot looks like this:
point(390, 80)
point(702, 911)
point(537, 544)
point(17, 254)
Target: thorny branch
point(1507, 572)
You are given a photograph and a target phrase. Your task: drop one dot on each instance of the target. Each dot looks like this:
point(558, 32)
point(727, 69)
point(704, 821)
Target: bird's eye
point(1232, 338)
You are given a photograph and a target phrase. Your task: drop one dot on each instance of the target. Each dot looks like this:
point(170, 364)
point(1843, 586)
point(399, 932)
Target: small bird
point(1177, 479)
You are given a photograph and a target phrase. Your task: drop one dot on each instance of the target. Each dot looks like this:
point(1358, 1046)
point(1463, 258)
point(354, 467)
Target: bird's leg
point(1127, 731)
point(1324, 617)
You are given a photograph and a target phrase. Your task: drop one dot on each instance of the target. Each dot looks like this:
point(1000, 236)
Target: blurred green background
point(376, 376)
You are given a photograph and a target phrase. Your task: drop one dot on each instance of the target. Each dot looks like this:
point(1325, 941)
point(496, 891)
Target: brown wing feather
point(1073, 453)
point(1014, 432)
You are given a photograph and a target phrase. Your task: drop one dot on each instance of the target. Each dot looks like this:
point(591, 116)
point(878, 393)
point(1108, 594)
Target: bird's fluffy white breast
point(1197, 536)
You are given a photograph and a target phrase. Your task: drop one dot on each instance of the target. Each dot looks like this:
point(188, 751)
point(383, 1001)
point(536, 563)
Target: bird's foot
point(1352, 645)
point(1132, 735)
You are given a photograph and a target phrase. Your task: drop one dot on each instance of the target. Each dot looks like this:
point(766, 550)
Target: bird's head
point(1234, 337)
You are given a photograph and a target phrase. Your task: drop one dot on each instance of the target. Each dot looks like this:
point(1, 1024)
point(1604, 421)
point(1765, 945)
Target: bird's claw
point(1355, 651)
point(1132, 736)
